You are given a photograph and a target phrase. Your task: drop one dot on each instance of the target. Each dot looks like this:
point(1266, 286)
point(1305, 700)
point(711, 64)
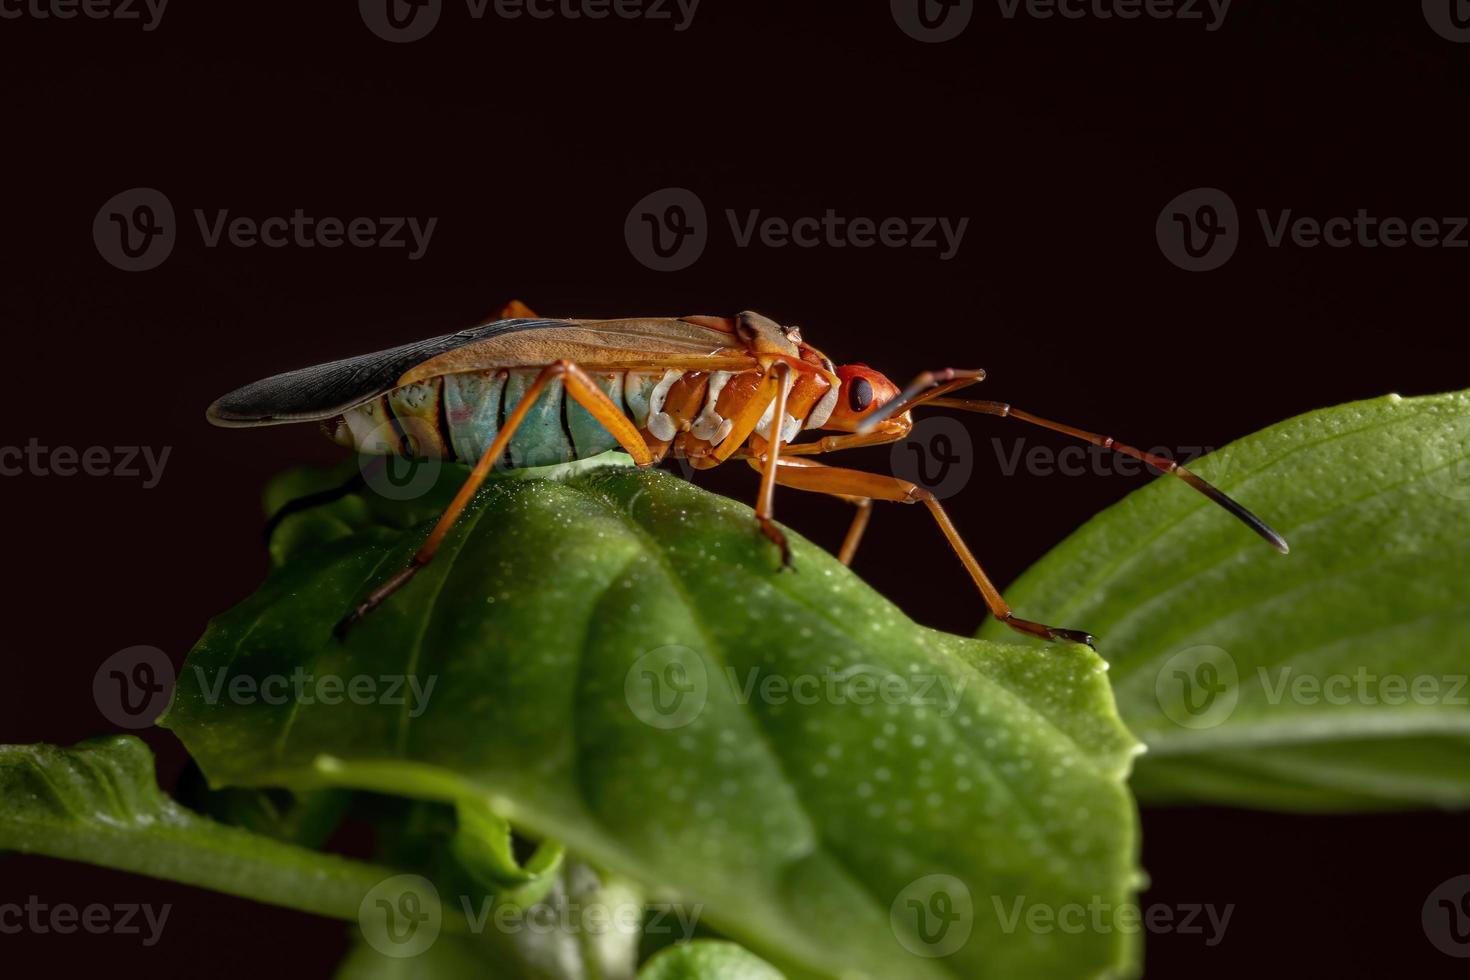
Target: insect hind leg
point(582, 388)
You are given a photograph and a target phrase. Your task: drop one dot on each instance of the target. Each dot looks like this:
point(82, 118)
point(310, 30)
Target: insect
point(524, 391)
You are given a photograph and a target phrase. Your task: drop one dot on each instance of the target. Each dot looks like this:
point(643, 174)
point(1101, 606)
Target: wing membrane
point(325, 390)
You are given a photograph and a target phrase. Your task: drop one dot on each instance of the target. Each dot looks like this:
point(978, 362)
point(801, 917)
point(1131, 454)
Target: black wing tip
point(220, 413)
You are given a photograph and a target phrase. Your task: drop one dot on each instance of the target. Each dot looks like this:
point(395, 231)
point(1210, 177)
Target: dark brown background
point(530, 141)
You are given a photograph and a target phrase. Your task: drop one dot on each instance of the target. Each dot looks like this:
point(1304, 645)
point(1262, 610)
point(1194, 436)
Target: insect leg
point(765, 500)
point(855, 530)
point(581, 387)
point(856, 483)
point(1002, 410)
point(863, 509)
point(772, 391)
point(515, 310)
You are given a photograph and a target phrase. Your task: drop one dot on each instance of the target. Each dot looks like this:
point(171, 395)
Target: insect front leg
point(765, 500)
point(811, 475)
point(579, 386)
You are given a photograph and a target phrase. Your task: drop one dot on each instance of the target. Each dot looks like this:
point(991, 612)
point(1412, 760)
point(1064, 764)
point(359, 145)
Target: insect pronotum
point(532, 391)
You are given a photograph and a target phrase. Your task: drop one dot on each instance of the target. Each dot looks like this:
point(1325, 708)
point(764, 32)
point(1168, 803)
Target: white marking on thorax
point(660, 423)
point(789, 426)
point(710, 426)
point(822, 410)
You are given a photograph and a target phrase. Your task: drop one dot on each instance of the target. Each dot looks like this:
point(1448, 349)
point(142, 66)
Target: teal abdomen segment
point(541, 439)
point(589, 436)
point(472, 411)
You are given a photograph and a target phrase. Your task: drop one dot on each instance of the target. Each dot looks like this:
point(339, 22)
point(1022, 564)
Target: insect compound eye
point(859, 394)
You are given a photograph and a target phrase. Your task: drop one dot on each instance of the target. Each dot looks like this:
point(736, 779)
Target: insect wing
point(324, 390)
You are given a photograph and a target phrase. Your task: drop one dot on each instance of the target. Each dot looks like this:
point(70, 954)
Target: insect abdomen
point(457, 416)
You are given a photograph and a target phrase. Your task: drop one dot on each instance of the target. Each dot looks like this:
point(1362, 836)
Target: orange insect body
point(685, 413)
point(525, 391)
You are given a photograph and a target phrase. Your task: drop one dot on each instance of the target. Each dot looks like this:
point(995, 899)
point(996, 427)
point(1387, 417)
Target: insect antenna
point(930, 387)
point(1005, 411)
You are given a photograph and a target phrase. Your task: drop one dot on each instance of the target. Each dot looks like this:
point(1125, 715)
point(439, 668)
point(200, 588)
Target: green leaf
point(618, 663)
point(585, 928)
point(449, 958)
point(98, 802)
point(1330, 679)
point(307, 819)
point(707, 960)
point(483, 845)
